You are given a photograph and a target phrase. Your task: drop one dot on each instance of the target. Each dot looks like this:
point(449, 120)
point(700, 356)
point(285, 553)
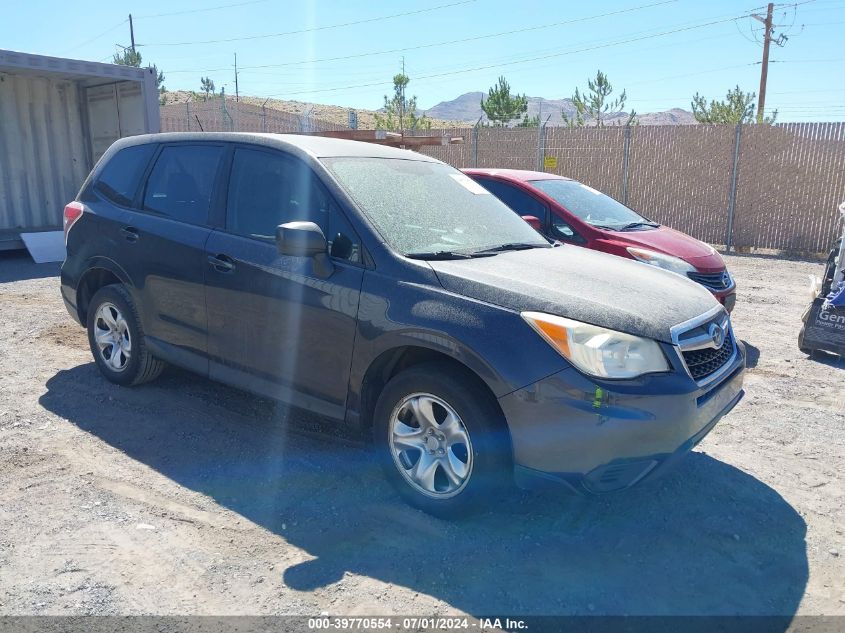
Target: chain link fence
point(751, 187)
point(224, 114)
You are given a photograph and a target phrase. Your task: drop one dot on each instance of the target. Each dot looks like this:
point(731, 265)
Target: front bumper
point(726, 297)
point(594, 437)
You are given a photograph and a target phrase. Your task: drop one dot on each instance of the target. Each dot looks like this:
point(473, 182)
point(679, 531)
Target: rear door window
point(182, 181)
point(119, 179)
point(519, 201)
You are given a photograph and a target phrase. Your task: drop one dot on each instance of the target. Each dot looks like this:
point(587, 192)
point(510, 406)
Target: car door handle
point(130, 233)
point(221, 263)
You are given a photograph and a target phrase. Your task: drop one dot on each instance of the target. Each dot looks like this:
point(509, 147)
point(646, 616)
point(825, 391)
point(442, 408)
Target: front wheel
point(442, 440)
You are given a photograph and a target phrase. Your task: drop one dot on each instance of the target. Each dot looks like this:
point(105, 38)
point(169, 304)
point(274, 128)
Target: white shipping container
point(57, 117)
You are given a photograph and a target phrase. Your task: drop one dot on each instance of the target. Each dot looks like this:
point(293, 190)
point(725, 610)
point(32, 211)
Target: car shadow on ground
point(752, 355)
point(706, 539)
point(826, 358)
point(18, 265)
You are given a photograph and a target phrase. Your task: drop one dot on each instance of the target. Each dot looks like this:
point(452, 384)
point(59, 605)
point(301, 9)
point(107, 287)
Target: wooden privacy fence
point(748, 187)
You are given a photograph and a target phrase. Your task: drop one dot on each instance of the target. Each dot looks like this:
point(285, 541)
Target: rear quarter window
point(119, 179)
point(182, 181)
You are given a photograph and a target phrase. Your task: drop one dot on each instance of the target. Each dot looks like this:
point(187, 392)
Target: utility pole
point(237, 96)
point(764, 71)
point(402, 104)
point(132, 33)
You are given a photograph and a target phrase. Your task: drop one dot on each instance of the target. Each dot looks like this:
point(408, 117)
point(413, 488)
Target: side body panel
point(278, 328)
point(415, 311)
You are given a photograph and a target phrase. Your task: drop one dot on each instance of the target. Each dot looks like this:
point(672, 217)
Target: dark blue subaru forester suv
point(386, 290)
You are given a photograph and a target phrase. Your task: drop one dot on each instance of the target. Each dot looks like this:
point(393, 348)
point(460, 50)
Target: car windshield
point(592, 206)
point(430, 209)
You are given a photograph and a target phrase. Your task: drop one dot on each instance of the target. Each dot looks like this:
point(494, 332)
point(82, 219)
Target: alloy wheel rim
point(430, 445)
point(111, 334)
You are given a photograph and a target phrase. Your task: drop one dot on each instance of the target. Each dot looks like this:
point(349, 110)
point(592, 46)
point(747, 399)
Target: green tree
point(595, 103)
point(400, 112)
point(501, 107)
point(529, 121)
point(127, 58)
point(133, 58)
point(737, 107)
point(207, 86)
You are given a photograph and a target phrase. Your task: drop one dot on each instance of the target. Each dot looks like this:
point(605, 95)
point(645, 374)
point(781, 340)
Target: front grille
point(705, 362)
point(714, 281)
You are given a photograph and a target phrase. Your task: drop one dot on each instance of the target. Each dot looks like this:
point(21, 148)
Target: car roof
point(522, 175)
point(316, 146)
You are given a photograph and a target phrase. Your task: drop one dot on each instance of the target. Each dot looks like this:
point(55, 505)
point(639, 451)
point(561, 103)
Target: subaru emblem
point(717, 334)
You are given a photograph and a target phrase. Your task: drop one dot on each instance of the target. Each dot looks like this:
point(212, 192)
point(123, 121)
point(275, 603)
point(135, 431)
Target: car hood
point(672, 242)
point(580, 284)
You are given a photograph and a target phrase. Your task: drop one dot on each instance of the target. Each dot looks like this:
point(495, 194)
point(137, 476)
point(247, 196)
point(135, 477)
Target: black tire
point(829, 270)
point(490, 476)
point(140, 366)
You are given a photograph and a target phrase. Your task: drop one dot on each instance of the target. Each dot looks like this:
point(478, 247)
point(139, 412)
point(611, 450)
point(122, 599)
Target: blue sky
point(312, 53)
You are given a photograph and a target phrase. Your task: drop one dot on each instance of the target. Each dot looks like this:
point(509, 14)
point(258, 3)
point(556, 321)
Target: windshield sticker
point(469, 184)
point(590, 189)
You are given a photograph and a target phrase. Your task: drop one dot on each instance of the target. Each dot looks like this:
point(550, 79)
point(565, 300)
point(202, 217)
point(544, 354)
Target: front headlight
point(597, 351)
point(666, 262)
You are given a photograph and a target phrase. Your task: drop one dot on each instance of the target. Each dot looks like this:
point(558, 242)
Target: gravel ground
point(187, 497)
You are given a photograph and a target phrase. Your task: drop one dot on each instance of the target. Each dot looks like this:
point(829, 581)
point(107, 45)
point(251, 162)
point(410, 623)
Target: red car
point(567, 210)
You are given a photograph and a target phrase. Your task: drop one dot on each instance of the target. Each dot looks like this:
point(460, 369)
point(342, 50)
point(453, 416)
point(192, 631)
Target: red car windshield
point(591, 206)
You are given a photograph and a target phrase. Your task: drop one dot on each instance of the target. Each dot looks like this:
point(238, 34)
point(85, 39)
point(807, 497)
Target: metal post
point(732, 195)
point(237, 94)
point(475, 142)
point(540, 130)
point(626, 151)
point(264, 115)
point(541, 143)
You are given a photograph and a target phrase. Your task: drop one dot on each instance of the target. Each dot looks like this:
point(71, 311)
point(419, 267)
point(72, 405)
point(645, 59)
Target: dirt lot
point(185, 497)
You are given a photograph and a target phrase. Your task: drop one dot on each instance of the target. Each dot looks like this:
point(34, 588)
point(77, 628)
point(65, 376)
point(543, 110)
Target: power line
point(187, 11)
point(96, 37)
point(316, 28)
point(795, 92)
point(447, 42)
point(807, 61)
point(522, 61)
point(511, 60)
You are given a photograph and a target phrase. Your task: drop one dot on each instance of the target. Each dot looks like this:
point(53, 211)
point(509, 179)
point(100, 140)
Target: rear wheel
point(116, 338)
point(441, 440)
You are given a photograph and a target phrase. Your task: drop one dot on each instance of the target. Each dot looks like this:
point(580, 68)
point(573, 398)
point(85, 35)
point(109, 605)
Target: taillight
point(73, 211)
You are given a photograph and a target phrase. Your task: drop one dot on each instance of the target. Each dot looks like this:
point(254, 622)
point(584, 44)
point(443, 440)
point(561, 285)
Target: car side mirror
point(305, 239)
point(534, 221)
point(567, 233)
point(565, 230)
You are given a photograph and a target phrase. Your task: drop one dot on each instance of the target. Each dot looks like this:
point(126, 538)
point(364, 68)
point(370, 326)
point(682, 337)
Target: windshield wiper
point(435, 255)
point(510, 246)
point(633, 225)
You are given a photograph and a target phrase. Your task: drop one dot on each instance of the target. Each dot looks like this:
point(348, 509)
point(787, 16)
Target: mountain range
point(461, 111)
point(467, 108)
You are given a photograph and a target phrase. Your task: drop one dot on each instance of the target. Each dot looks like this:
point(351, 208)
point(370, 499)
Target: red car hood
point(672, 242)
